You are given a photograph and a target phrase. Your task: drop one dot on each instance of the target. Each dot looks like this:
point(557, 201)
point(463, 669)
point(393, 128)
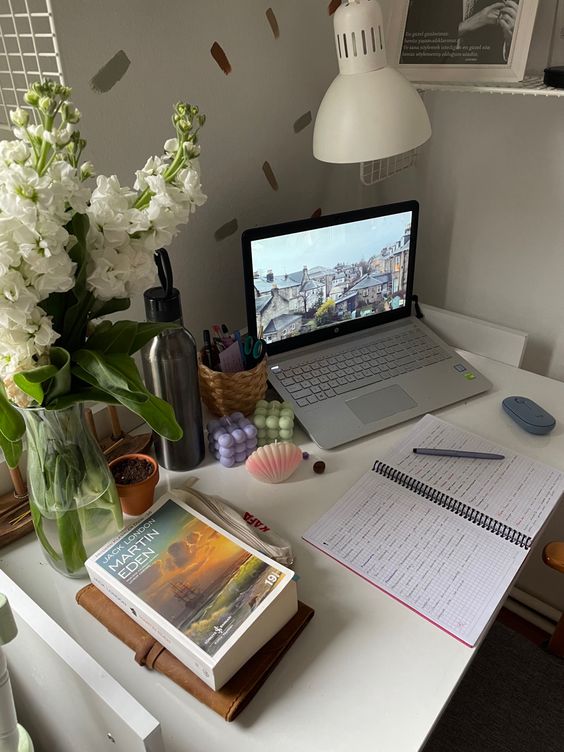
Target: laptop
point(332, 298)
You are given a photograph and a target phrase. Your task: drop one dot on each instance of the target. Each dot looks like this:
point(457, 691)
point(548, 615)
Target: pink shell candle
point(274, 463)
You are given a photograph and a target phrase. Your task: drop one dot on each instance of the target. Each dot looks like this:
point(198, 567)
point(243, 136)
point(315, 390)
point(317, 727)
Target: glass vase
point(72, 495)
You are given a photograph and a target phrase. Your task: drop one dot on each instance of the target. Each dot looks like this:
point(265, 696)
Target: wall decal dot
point(110, 73)
point(270, 176)
point(226, 230)
point(220, 58)
point(271, 18)
point(317, 213)
point(302, 122)
point(333, 5)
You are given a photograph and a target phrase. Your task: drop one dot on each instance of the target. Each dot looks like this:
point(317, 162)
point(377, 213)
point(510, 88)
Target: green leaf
point(119, 338)
point(12, 428)
point(12, 450)
point(98, 336)
point(124, 336)
point(12, 425)
point(37, 375)
point(118, 375)
point(61, 382)
point(145, 333)
point(98, 371)
point(56, 305)
point(105, 307)
point(88, 394)
point(78, 226)
point(31, 381)
point(76, 319)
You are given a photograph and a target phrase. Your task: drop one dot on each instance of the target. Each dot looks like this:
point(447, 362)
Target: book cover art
point(200, 581)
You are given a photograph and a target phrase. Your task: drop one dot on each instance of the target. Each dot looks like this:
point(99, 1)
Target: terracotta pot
point(136, 498)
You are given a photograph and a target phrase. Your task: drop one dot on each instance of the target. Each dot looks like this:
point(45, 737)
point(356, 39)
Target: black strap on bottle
point(445, 501)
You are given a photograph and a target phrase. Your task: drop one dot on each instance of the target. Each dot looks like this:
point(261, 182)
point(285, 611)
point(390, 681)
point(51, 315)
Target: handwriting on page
point(434, 562)
point(517, 491)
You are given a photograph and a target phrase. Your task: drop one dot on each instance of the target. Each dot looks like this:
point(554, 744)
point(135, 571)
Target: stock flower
point(43, 188)
point(70, 252)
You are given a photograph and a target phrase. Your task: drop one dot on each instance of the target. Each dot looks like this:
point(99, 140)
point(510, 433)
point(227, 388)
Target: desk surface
point(367, 673)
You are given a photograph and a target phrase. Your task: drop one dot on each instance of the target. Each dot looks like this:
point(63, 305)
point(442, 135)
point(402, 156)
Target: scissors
point(253, 350)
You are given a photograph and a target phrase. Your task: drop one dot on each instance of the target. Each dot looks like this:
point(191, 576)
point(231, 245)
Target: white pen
point(458, 453)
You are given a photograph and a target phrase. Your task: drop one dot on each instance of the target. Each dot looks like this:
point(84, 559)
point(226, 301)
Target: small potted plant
point(136, 476)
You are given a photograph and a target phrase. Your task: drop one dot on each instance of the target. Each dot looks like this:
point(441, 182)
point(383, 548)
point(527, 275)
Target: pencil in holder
point(226, 393)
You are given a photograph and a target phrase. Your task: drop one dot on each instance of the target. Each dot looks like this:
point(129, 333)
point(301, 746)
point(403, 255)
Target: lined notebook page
point(518, 491)
point(452, 572)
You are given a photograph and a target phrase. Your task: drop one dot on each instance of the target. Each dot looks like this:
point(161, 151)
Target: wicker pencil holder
point(225, 393)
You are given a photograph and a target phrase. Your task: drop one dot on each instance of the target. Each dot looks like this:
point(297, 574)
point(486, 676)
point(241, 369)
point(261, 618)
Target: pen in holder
point(226, 393)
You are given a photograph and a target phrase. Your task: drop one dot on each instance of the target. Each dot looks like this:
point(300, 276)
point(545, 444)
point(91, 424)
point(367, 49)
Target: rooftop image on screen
point(313, 279)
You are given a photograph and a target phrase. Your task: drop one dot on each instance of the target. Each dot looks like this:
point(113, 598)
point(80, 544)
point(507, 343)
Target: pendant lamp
point(370, 111)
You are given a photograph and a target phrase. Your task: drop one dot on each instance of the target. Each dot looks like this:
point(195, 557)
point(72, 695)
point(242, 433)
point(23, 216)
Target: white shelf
point(532, 85)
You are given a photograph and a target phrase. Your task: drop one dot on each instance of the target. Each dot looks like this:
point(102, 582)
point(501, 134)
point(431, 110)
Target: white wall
point(490, 181)
point(491, 187)
point(251, 113)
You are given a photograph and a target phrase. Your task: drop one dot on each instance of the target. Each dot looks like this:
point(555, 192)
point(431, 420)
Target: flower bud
point(69, 113)
point(86, 170)
point(31, 97)
point(45, 104)
point(19, 117)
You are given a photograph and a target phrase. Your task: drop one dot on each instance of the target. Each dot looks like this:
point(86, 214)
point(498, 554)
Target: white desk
point(367, 673)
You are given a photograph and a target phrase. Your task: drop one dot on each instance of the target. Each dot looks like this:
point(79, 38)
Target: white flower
point(19, 117)
point(14, 151)
point(14, 291)
point(59, 136)
point(40, 196)
point(153, 166)
point(171, 145)
point(41, 328)
point(48, 275)
point(22, 346)
point(189, 179)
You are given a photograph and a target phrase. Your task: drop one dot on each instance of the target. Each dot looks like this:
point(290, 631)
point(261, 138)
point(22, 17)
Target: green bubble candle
point(274, 421)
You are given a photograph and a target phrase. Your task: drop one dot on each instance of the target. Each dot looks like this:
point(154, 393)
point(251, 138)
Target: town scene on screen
point(370, 276)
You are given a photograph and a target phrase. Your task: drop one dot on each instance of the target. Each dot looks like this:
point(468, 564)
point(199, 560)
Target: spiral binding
point(445, 501)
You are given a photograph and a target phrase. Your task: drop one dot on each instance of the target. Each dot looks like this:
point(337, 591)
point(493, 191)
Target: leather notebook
point(230, 700)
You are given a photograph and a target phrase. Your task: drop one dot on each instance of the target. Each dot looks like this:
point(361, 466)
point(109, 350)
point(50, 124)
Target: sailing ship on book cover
point(200, 581)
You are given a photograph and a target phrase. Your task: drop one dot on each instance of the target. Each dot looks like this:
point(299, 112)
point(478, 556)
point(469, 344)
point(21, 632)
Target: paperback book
point(210, 599)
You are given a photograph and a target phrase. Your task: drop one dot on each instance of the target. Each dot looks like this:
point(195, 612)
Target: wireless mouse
point(527, 414)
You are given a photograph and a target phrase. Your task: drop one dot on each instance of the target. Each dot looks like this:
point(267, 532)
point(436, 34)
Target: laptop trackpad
point(380, 404)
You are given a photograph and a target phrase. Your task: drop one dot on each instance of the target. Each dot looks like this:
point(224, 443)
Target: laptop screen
point(310, 280)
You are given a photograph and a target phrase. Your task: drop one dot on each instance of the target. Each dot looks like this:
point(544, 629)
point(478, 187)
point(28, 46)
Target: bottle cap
point(161, 305)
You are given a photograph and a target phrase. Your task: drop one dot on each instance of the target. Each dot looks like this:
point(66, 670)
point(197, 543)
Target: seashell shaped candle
point(274, 463)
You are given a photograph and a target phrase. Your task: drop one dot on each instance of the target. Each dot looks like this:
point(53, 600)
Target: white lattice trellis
point(380, 169)
point(28, 51)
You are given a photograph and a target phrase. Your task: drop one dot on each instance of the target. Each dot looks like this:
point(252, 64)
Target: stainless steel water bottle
point(170, 368)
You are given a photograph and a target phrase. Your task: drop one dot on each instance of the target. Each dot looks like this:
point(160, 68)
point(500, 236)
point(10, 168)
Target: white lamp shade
point(369, 116)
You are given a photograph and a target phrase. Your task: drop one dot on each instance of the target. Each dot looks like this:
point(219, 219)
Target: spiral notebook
point(445, 536)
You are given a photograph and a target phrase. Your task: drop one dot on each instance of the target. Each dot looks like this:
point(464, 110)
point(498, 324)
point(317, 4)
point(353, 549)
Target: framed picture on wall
point(461, 40)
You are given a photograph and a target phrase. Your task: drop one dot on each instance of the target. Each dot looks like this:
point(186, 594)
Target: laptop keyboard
point(316, 379)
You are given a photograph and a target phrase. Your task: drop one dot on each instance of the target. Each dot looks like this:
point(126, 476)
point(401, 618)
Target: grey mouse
point(527, 414)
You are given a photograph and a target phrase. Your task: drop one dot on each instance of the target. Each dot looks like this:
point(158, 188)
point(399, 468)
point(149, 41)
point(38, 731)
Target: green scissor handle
point(253, 350)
